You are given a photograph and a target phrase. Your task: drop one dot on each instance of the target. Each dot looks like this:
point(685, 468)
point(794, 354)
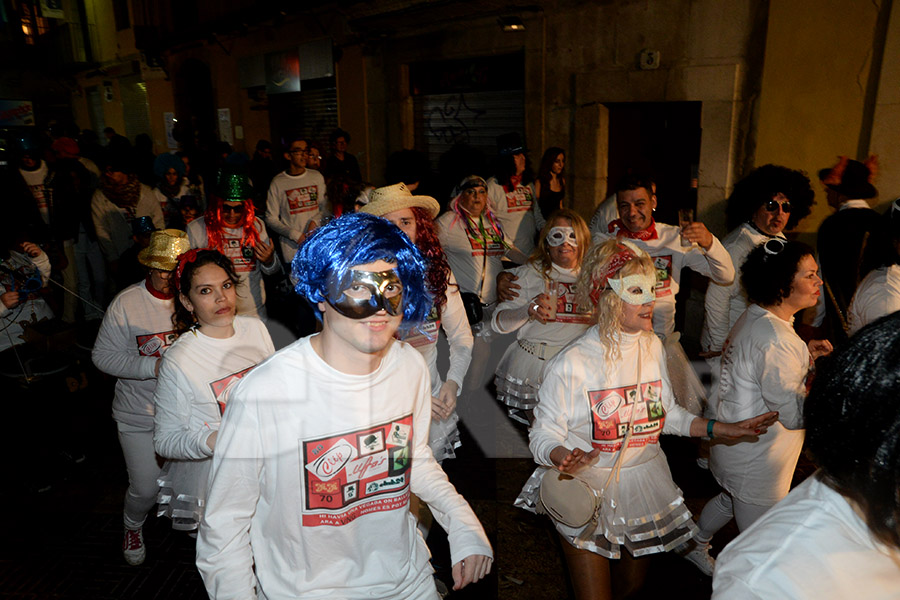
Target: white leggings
point(143, 470)
point(721, 509)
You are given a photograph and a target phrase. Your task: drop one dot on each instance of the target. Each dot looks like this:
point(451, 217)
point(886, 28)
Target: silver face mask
point(557, 236)
point(646, 283)
point(363, 293)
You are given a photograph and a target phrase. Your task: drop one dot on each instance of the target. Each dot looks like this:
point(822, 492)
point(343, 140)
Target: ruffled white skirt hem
point(182, 492)
point(644, 512)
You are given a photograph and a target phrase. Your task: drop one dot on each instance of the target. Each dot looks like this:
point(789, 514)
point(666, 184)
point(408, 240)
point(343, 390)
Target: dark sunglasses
point(772, 206)
point(235, 209)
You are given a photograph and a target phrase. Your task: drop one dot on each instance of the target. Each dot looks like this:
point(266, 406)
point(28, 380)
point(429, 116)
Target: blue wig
point(358, 239)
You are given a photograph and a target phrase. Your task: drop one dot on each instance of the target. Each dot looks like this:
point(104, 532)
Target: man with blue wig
point(321, 444)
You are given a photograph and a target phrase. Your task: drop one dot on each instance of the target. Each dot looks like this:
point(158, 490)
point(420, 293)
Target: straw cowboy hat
point(166, 245)
point(385, 200)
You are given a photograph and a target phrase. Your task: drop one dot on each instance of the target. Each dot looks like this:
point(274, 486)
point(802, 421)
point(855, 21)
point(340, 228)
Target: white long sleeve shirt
point(810, 546)
point(136, 330)
point(764, 367)
point(113, 224)
point(878, 295)
point(586, 403)
point(725, 303)
point(514, 211)
point(455, 324)
point(193, 378)
point(294, 201)
point(670, 257)
point(466, 255)
point(570, 320)
point(251, 292)
point(311, 480)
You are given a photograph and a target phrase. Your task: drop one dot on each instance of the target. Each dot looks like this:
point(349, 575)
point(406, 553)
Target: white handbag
point(572, 501)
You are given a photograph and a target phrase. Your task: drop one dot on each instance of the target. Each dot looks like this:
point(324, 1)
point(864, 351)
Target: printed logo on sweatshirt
point(426, 333)
point(519, 199)
point(153, 344)
point(495, 245)
point(663, 266)
point(359, 472)
point(567, 310)
point(220, 386)
point(611, 412)
point(236, 254)
point(303, 199)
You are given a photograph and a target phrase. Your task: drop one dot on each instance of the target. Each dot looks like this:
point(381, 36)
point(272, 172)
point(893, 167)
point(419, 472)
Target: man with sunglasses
point(762, 205)
point(296, 203)
point(322, 444)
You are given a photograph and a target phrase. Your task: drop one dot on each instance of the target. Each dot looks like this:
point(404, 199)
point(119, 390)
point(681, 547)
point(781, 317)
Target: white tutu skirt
point(686, 386)
point(182, 492)
point(518, 378)
point(443, 437)
point(643, 512)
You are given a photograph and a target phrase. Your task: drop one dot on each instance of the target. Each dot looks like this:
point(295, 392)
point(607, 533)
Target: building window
point(33, 25)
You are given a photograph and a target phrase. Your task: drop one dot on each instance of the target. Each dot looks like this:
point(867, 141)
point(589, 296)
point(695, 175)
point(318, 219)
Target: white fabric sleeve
point(42, 262)
point(718, 311)
point(172, 433)
point(513, 314)
point(510, 319)
point(496, 198)
point(274, 207)
point(197, 236)
point(456, 327)
point(781, 371)
point(732, 587)
point(885, 303)
point(715, 263)
point(224, 554)
point(429, 482)
point(678, 420)
point(115, 352)
point(275, 267)
point(551, 416)
point(103, 226)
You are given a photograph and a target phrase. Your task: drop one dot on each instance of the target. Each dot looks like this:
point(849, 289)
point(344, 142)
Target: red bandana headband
point(618, 227)
point(616, 262)
point(187, 257)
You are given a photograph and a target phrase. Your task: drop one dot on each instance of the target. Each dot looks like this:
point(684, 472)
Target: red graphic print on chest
point(349, 475)
point(494, 246)
point(519, 200)
point(303, 199)
point(153, 344)
point(219, 386)
point(242, 257)
point(567, 310)
point(663, 266)
point(611, 412)
point(426, 333)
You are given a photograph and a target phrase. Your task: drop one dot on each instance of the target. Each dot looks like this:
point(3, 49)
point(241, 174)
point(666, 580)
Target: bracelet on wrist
point(709, 428)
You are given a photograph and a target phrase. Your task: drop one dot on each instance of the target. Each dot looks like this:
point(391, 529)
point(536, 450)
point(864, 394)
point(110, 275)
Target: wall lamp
point(511, 23)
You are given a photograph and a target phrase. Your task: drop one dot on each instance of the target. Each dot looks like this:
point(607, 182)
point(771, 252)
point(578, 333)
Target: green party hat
point(234, 186)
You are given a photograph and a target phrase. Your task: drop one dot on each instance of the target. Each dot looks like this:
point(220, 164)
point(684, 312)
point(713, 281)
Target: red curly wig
point(438, 274)
point(214, 224)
